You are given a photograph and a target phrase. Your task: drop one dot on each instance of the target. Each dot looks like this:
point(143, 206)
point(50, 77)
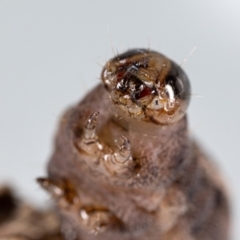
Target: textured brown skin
point(177, 195)
point(174, 198)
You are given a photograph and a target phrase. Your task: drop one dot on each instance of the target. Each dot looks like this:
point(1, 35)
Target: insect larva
point(124, 166)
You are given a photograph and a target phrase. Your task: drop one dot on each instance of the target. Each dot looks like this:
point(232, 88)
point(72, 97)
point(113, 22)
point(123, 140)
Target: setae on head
point(147, 86)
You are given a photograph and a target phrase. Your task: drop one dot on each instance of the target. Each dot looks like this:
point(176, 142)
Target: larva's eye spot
point(150, 82)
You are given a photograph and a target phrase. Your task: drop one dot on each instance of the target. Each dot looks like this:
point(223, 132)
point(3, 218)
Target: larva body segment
point(124, 166)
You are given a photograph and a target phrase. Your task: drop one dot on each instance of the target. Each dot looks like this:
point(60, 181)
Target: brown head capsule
point(147, 86)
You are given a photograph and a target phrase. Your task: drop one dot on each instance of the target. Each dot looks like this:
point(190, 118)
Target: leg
point(117, 162)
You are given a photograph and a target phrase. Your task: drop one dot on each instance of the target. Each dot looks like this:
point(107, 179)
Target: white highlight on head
point(170, 92)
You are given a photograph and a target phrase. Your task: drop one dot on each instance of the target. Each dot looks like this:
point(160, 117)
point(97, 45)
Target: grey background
point(50, 56)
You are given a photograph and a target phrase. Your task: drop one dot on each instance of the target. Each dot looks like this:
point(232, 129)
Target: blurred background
point(51, 54)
